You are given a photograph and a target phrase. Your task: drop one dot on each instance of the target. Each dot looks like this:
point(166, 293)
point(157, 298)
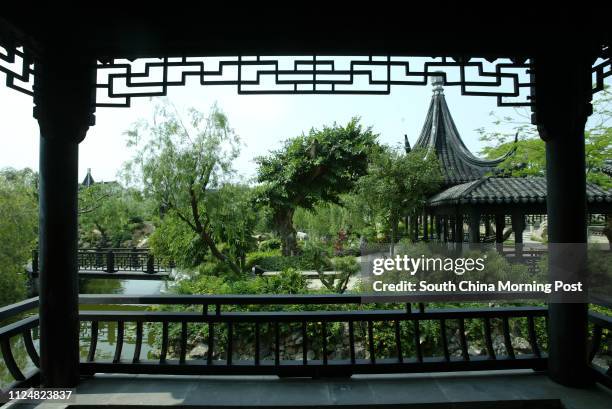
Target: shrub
point(273, 261)
point(256, 258)
point(269, 245)
point(213, 268)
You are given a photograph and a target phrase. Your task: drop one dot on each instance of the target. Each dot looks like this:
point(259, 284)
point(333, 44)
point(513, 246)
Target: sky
point(262, 121)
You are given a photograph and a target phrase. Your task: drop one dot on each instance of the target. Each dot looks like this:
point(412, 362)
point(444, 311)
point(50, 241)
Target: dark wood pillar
point(445, 228)
point(415, 227)
point(474, 231)
point(459, 228)
point(518, 226)
point(425, 218)
point(64, 92)
point(563, 94)
point(500, 225)
point(487, 224)
point(438, 225)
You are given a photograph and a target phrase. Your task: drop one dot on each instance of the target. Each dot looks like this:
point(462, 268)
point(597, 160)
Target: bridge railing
point(112, 260)
point(331, 335)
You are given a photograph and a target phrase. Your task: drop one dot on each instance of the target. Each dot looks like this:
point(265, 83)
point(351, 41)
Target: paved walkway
point(412, 390)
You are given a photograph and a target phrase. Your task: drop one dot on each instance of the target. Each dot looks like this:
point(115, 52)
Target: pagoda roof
point(89, 180)
point(510, 190)
point(458, 164)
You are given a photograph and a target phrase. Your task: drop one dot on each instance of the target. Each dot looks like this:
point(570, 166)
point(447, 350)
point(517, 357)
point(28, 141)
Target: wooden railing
point(219, 317)
point(382, 340)
point(19, 326)
point(113, 260)
point(602, 328)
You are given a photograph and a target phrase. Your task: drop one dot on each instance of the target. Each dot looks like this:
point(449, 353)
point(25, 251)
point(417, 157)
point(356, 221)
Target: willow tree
point(309, 169)
point(398, 183)
point(18, 230)
point(183, 165)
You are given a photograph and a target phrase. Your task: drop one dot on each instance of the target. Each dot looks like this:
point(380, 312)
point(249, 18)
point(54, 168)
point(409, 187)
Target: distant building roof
point(607, 167)
point(510, 190)
point(458, 164)
point(88, 181)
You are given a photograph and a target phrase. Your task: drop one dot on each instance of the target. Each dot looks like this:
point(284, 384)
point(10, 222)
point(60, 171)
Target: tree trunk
point(217, 254)
point(394, 225)
point(607, 231)
point(283, 220)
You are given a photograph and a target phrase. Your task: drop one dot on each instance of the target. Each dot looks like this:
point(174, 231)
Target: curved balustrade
point(602, 327)
point(21, 327)
point(382, 340)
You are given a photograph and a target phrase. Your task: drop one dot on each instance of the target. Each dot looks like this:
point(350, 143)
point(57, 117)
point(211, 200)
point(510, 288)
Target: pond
point(107, 332)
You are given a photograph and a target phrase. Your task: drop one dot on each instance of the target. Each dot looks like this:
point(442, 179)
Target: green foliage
point(174, 241)
point(270, 244)
point(288, 281)
point(110, 215)
point(273, 260)
point(257, 258)
point(18, 230)
point(310, 169)
point(233, 219)
point(398, 184)
point(185, 167)
point(530, 156)
point(325, 220)
point(344, 267)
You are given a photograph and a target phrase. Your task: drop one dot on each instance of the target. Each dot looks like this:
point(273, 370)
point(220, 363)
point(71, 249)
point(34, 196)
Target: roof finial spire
point(437, 80)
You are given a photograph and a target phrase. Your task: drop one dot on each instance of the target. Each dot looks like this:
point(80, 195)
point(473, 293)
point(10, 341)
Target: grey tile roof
point(497, 190)
point(439, 133)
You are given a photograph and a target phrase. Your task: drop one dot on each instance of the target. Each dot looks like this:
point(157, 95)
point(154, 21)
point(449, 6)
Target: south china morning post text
point(457, 266)
point(453, 274)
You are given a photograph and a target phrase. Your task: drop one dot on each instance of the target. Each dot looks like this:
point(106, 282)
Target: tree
point(310, 169)
point(18, 230)
point(398, 183)
point(108, 214)
point(183, 166)
point(530, 156)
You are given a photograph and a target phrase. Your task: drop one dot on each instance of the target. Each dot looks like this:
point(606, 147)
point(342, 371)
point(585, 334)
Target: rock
point(359, 349)
point(475, 351)
point(199, 351)
point(499, 346)
point(521, 345)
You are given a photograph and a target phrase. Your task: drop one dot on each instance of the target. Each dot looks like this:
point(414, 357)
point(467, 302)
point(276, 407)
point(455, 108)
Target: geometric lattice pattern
point(602, 68)
point(121, 80)
point(17, 65)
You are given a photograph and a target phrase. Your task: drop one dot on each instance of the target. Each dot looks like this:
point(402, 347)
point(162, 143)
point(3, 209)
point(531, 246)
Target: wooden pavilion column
point(63, 95)
point(458, 230)
point(518, 227)
point(474, 231)
point(500, 225)
point(487, 225)
point(563, 95)
point(425, 219)
point(415, 227)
